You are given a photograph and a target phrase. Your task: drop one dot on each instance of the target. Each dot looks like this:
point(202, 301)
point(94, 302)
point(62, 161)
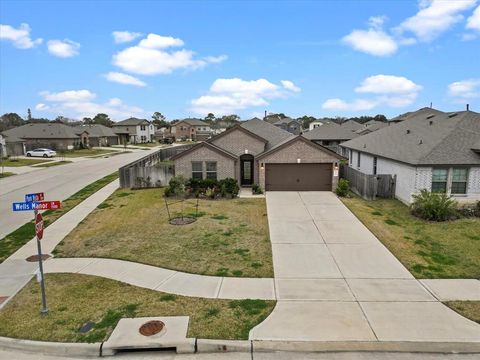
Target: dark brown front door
point(298, 177)
point(246, 171)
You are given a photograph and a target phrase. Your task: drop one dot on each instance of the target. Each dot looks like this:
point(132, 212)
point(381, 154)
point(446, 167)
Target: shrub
point(229, 186)
point(208, 184)
point(176, 186)
point(256, 189)
point(342, 188)
point(433, 206)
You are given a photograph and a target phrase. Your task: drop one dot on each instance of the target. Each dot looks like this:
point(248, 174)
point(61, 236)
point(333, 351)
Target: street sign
point(47, 205)
point(39, 226)
point(37, 205)
point(34, 197)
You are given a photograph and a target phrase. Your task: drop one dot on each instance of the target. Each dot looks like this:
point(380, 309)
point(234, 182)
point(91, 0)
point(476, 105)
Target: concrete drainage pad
point(128, 335)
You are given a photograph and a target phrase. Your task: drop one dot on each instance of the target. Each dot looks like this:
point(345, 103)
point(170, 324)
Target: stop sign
point(39, 226)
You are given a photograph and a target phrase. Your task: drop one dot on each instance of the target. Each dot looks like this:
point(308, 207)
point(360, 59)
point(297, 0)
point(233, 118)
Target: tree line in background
point(11, 120)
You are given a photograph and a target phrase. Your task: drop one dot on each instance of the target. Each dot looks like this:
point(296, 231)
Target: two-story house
point(134, 131)
point(191, 129)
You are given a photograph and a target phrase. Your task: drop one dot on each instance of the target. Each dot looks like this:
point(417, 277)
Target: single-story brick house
point(98, 135)
point(430, 150)
point(257, 152)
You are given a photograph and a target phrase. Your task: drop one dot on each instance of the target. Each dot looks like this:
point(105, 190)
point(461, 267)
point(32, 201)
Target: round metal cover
point(34, 258)
point(151, 328)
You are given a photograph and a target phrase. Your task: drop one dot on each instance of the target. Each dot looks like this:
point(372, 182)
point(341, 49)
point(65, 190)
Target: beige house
point(257, 152)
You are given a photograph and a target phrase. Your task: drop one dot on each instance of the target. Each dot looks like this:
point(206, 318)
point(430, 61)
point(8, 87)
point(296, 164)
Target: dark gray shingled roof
point(371, 127)
point(411, 114)
point(95, 130)
point(332, 131)
point(352, 125)
point(131, 121)
point(195, 122)
point(426, 138)
point(285, 121)
point(42, 131)
point(269, 132)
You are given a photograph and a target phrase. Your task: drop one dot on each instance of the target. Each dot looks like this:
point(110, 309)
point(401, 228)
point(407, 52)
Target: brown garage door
point(298, 177)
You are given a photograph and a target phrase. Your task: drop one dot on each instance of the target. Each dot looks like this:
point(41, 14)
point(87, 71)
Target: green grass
point(75, 299)
point(84, 152)
point(229, 237)
point(55, 163)
point(448, 249)
point(6, 174)
point(16, 239)
point(469, 309)
point(21, 162)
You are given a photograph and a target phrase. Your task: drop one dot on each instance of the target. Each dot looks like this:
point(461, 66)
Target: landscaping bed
point(21, 162)
point(16, 239)
point(229, 238)
point(428, 249)
point(75, 299)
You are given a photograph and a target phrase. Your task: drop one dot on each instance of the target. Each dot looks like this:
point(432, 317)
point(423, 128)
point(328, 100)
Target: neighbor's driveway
point(335, 281)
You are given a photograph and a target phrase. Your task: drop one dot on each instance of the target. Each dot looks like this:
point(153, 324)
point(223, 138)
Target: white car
point(42, 153)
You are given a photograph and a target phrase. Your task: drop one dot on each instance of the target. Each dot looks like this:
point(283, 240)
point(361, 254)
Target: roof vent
point(364, 146)
point(452, 115)
point(420, 142)
point(430, 116)
point(408, 131)
point(430, 122)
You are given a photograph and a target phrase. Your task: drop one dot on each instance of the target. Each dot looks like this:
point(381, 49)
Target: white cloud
point(125, 79)
point(387, 84)
point(68, 95)
point(473, 22)
point(227, 96)
point(372, 41)
point(388, 90)
point(468, 37)
point(341, 105)
point(287, 84)
point(465, 89)
point(434, 18)
point(376, 22)
point(63, 48)
point(152, 56)
point(79, 104)
point(19, 37)
point(125, 36)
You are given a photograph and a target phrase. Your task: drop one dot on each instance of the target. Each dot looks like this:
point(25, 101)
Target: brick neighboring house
point(257, 152)
point(98, 135)
point(429, 149)
point(290, 125)
point(54, 136)
point(191, 129)
point(134, 131)
point(331, 135)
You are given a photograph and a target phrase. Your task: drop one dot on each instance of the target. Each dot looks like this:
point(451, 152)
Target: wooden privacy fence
point(369, 186)
point(153, 170)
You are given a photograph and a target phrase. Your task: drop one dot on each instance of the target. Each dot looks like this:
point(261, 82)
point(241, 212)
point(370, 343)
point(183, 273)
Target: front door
point(246, 172)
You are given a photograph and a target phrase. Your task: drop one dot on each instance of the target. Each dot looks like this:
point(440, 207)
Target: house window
point(459, 181)
point(374, 165)
point(358, 158)
point(350, 158)
point(142, 127)
point(439, 180)
point(197, 170)
point(211, 170)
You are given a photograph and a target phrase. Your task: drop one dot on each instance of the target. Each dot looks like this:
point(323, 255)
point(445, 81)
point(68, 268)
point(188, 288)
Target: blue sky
point(321, 58)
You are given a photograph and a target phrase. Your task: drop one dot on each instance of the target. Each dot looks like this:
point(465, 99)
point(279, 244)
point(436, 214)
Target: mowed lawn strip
point(229, 238)
point(55, 163)
point(21, 162)
point(449, 249)
point(16, 239)
point(84, 152)
point(74, 299)
point(469, 309)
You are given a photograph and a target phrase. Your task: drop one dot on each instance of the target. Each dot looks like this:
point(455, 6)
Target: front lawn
point(6, 174)
point(229, 238)
point(19, 237)
point(448, 249)
point(21, 162)
point(54, 163)
point(83, 152)
point(74, 299)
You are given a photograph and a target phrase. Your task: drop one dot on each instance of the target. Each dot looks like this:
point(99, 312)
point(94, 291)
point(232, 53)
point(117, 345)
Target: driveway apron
point(335, 281)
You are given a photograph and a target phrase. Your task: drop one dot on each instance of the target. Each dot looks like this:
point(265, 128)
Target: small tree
point(342, 188)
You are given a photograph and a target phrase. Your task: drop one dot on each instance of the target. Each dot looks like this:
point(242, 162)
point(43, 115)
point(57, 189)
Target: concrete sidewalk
point(15, 272)
point(335, 281)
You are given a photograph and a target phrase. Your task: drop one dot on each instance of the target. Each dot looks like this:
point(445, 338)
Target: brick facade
point(236, 142)
point(226, 167)
point(297, 150)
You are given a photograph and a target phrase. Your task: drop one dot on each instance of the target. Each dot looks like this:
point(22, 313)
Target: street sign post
point(36, 202)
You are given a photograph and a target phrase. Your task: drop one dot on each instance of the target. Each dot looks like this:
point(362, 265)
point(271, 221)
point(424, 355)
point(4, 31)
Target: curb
point(51, 348)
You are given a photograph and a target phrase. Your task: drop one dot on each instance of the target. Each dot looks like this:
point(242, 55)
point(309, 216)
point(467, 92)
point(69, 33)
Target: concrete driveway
point(335, 281)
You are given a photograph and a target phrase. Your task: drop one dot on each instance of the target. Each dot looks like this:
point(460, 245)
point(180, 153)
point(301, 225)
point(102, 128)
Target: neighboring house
point(192, 129)
point(98, 135)
point(290, 125)
point(134, 131)
point(257, 152)
point(431, 150)
point(13, 146)
point(54, 136)
point(315, 124)
point(372, 126)
point(3, 147)
point(331, 135)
